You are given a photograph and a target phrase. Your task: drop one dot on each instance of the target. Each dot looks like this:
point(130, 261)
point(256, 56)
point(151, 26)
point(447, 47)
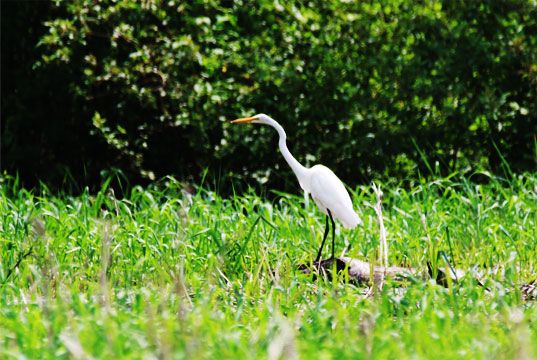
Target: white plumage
point(327, 191)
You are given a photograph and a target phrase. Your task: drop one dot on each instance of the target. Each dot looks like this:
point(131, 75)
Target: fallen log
point(358, 271)
point(361, 272)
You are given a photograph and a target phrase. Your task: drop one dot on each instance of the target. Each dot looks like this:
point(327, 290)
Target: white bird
point(327, 191)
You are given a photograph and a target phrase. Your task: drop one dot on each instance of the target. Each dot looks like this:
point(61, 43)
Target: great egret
point(327, 191)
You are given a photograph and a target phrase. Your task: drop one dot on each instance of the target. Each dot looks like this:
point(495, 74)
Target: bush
point(369, 89)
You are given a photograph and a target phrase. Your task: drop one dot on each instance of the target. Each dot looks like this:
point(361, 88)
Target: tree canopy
point(369, 88)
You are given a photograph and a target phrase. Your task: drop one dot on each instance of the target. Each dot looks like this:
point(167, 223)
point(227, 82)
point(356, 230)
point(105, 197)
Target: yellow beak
point(248, 119)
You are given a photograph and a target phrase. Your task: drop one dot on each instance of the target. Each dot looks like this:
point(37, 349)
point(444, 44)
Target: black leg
point(333, 232)
point(324, 239)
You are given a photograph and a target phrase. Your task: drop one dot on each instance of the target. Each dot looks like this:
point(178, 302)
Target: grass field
point(165, 274)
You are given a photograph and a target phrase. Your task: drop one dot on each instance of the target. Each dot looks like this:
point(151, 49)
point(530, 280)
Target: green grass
point(166, 274)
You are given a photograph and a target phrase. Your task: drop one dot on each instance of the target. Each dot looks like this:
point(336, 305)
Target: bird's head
point(256, 119)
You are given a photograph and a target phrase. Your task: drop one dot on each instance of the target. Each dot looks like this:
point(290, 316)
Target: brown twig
point(17, 264)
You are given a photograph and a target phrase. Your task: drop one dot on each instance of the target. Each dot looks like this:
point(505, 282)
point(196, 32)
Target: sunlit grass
point(166, 273)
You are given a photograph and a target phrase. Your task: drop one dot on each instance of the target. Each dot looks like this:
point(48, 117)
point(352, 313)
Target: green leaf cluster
point(368, 88)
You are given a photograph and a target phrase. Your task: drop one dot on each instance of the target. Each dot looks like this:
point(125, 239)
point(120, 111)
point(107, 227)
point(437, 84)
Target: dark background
point(371, 89)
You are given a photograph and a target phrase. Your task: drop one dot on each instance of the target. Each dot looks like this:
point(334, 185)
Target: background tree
point(369, 88)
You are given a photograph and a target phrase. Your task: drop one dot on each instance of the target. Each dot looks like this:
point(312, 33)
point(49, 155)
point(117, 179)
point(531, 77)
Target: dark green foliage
point(367, 88)
point(45, 123)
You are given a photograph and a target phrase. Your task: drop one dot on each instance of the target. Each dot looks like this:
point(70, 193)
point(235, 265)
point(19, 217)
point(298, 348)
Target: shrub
point(368, 88)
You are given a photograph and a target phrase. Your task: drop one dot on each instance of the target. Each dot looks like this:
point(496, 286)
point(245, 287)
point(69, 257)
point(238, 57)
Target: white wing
point(328, 192)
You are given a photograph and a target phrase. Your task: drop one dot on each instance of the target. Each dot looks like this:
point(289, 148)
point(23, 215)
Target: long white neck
point(299, 170)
